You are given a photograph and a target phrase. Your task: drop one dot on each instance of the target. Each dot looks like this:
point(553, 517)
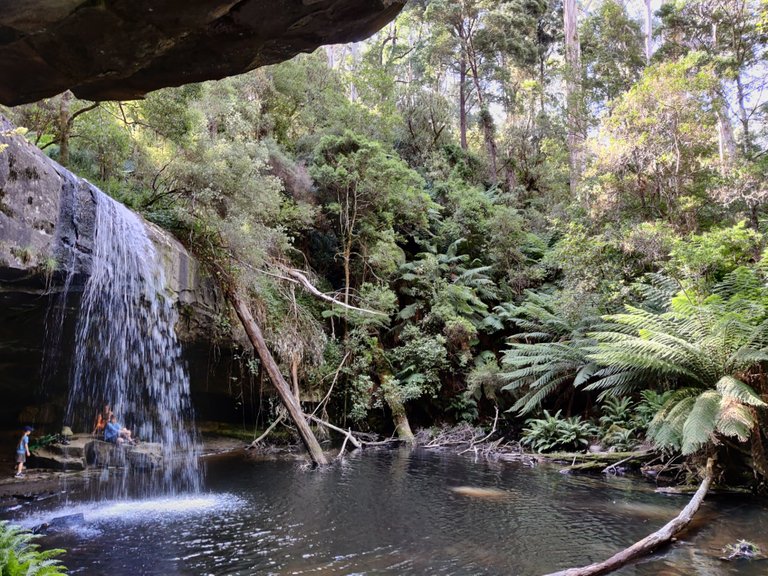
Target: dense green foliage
point(424, 174)
point(20, 557)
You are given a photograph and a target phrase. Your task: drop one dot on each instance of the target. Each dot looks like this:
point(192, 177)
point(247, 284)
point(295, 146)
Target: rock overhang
point(122, 49)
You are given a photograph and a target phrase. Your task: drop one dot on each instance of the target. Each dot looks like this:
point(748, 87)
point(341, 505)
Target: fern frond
point(736, 419)
point(701, 422)
point(666, 428)
point(536, 395)
point(730, 387)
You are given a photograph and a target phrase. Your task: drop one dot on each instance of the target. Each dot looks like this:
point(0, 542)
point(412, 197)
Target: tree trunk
point(329, 56)
point(392, 397)
point(355, 51)
point(486, 120)
point(725, 141)
point(573, 93)
point(347, 272)
point(489, 132)
point(726, 145)
point(648, 32)
point(64, 128)
point(282, 387)
point(295, 377)
point(399, 416)
point(651, 542)
point(743, 117)
point(463, 101)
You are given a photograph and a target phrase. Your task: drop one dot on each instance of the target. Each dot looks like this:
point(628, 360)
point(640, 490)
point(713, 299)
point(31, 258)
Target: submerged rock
point(742, 550)
point(478, 492)
point(60, 523)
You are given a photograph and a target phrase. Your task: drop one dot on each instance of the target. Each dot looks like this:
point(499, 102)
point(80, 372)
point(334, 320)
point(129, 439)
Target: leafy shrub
point(620, 439)
point(650, 404)
point(618, 425)
point(19, 557)
point(713, 254)
point(464, 408)
point(555, 433)
point(617, 412)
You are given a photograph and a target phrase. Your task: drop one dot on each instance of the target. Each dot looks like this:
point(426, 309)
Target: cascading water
point(127, 353)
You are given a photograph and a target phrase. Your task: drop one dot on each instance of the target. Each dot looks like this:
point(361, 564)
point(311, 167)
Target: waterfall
point(127, 354)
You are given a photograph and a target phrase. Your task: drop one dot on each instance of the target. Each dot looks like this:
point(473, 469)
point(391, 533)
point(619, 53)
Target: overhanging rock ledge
point(122, 49)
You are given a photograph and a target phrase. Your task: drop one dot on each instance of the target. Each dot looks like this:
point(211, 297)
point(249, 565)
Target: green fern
point(20, 557)
point(703, 348)
point(552, 432)
point(548, 356)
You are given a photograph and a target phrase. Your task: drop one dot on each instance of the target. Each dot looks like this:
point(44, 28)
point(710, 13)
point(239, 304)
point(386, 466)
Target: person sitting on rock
point(102, 418)
point(115, 433)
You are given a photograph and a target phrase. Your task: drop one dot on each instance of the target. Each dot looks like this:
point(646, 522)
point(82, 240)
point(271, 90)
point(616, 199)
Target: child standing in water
point(22, 451)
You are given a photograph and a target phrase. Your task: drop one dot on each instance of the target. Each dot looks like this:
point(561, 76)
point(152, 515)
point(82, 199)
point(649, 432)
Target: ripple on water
point(396, 514)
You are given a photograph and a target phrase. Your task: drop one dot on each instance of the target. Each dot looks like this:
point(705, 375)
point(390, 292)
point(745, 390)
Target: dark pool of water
point(395, 513)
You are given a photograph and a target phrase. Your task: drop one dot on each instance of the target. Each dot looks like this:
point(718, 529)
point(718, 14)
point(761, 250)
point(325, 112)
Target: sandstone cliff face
point(47, 226)
point(122, 49)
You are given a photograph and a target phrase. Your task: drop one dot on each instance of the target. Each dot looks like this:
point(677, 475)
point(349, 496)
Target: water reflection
point(398, 513)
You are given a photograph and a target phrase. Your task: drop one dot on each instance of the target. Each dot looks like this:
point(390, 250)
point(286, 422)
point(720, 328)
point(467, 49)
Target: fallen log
point(607, 457)
point(651, 542)
point(283, 389)
point(688, 490)
point(583, 467)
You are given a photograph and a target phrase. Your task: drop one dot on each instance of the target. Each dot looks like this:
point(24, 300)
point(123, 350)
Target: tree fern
point(702, 347)
point(548, 356)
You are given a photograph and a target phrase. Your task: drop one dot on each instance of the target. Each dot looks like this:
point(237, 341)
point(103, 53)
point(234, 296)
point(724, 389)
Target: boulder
point(60, 523)
point(122, 49)
point(102, 454)
point(144, 456)
point(58, 457)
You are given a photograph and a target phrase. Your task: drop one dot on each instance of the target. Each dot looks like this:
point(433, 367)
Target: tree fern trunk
point(392, 397)
point(399, 417)
point(759, 461)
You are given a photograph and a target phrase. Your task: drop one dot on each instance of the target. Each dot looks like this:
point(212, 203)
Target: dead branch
point(344, 445)
point(612, 467)
point(475, 441)
point(304, 281)
point(381, 442)
point(266, 432)
point(355, 442)
point(493, 429)
point(651, 542)
point(333, 383)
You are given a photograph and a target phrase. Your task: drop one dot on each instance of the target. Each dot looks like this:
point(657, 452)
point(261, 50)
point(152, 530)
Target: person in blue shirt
point(22, 451)
point(115, 433)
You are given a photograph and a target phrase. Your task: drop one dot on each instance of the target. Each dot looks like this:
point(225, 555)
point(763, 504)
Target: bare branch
point(355, 442)
point(304, 281)
point(267, 431)
point(82, 111)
